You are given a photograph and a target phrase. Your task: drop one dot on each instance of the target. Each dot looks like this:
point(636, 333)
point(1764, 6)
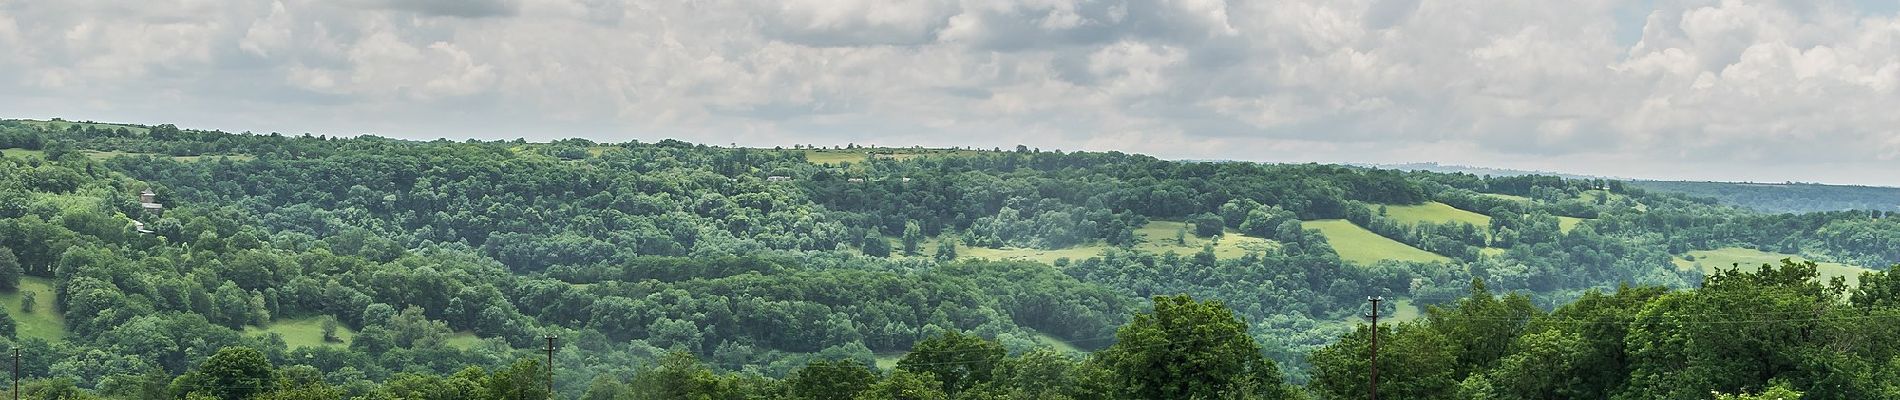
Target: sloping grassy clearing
point(302, 332)
point(1565, 224)
point(463, 340)
point(1058, 344)
point(44, 322)
point(888, 362)
point(1156, 237)
point(1506, 197)
point(22, 153)
point(1751, 260)
point(1404, 311)
point(1436, 213)
point(1358, 245)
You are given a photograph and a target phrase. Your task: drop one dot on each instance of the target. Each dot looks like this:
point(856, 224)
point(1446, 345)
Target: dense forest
point(303, 266)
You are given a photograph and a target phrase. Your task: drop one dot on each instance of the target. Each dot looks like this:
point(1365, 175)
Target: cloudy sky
point(1800, 90)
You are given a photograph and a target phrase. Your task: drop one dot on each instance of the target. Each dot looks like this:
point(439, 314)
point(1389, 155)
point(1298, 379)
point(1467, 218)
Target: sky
point(1766, 91)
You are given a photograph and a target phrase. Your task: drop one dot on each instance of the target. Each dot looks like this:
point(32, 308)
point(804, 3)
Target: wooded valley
point(314, 267)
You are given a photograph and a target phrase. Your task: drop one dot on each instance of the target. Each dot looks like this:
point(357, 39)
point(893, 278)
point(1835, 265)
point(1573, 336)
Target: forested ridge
point(433, 269)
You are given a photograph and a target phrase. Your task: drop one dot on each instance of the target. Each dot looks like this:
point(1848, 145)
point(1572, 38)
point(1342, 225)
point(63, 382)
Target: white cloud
point(1710, 89)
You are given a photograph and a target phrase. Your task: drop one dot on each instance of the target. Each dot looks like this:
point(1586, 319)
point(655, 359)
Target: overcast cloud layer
point(1760, 90)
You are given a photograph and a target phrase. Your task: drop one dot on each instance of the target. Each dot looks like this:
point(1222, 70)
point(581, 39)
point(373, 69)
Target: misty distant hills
point(1785, 197)
point(1764, 197)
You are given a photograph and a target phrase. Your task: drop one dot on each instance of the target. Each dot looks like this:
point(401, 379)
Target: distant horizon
point(1392, 165)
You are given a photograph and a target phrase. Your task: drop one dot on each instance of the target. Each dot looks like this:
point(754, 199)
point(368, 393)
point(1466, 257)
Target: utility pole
point(16, 372)
point(550, 337)
point(1373, 387)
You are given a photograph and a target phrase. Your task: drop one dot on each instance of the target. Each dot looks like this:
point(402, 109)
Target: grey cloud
point(1386, 13)
point(1712, 89)
point(455, 8)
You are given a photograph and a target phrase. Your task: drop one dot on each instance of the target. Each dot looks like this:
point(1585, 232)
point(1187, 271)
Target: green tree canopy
point(234, 373)
point(1189, 349)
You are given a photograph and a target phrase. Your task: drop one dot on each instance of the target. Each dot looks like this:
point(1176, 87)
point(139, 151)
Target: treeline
point(1785, 198)
point(1772, 333)
point(136, 302)
point(1778, 329)
point(757, 260)
point(1182, 348)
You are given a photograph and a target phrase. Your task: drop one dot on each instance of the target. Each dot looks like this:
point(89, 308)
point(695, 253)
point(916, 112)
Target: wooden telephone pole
point(1373, 387)
point(550, 337)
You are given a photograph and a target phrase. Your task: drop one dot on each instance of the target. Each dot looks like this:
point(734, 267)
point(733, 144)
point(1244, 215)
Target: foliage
point(1189, 349)
point(676, 265)
point(234, 373)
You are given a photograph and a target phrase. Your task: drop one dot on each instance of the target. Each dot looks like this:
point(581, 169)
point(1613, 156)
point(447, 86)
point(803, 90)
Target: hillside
point(1785, 197)
point(434, 256)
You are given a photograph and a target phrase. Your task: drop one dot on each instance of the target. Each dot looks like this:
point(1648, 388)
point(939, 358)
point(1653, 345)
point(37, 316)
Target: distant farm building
point(148, 201)
point(778, 178)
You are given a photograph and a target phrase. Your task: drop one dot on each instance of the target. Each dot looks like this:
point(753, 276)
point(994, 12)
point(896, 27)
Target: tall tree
point(946, 249)
point(830, 380)
point(10, 271)
point(1190, 349)
point(875, 245)
point(234, 373)
point(913, 238)
point(958, 360)
point(1415, 362)
point(905, 385)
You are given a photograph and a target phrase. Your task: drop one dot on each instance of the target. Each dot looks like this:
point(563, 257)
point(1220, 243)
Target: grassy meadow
point(1436, 213)
point(1156, 237)
point(1751, 259)
point(302, 332)
point(1358, 245)
point(44, 322)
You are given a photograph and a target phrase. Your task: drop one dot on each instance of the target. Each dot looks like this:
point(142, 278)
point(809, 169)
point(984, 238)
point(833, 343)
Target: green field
point(1045, 256)
point(1506, 197)
point(43, 322)
point(1751, 259)
point(1405, 312)
point(1058, 344)
point(302, 332)
point(1565, 224)
point(308, 332)
point(1358, 245)
point(101, 155)
point(463, 340)
point(888, 361)
point(1436, 213)
point(22, 153)
point(1156, 237)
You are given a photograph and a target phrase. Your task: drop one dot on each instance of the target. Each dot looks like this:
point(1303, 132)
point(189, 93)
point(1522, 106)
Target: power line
point(1194, 338)
point(1662, 319)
